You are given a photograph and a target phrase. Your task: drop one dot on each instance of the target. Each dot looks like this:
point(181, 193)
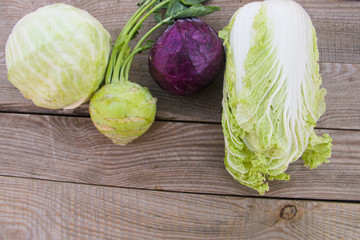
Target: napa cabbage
point(271, 97)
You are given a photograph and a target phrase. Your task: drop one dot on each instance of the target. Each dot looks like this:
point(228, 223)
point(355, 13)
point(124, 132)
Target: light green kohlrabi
point(57, 56)
point(272, 96)
point(123, 112)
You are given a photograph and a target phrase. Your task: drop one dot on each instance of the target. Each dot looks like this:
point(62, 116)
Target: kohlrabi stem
point(134, 18)
point(121, 56)
point(124, 75)
point(120, 40)
point(112, 61)
point(128, 35)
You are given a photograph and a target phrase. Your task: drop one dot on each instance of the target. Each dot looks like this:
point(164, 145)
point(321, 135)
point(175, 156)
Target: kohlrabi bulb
point(57, 56)
point(122, 111)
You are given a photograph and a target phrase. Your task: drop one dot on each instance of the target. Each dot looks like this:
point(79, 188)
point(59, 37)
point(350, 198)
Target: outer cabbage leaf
point(57, 56)
point(272, 96)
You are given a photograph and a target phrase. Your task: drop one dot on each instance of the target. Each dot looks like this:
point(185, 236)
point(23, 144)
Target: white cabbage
point(57, 56)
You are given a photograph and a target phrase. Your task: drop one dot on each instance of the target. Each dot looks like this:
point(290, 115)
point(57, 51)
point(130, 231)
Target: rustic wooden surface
point(184, 157)
point(53, 210)
point(61, 179)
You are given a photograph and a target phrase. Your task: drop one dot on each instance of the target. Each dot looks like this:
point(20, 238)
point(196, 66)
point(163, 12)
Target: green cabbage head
point(272, 97)
point(57, 56)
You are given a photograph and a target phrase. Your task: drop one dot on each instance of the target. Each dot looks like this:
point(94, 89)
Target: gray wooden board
point(186, 157)
point(32, 209)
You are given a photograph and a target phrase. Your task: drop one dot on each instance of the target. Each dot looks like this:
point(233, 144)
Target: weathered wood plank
point(33, 209)
point(183, 157)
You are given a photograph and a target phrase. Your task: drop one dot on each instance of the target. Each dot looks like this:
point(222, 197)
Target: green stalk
point(134, 18)
point(124, 75)
point(121, 56)
point(119, 41)
point(127, 35)
point(109, 70)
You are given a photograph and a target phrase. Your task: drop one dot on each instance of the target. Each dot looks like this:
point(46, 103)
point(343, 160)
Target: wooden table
point(61, 179)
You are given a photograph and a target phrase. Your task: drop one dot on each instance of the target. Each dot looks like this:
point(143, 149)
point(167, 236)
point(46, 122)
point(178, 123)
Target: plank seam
point(183, 192)
point(157, 119)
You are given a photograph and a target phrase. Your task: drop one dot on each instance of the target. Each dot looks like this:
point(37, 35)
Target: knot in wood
point(288, 212)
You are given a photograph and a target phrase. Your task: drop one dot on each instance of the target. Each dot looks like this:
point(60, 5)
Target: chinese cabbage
point(272, 96)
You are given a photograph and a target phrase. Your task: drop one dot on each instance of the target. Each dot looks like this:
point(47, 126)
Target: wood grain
point(32, 209)
point(185, 157)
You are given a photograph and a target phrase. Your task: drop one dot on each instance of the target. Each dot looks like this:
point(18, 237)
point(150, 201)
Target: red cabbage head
point(187, 57)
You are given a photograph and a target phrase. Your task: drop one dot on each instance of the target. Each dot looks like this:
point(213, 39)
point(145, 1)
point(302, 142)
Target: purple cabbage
point(187, 57)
